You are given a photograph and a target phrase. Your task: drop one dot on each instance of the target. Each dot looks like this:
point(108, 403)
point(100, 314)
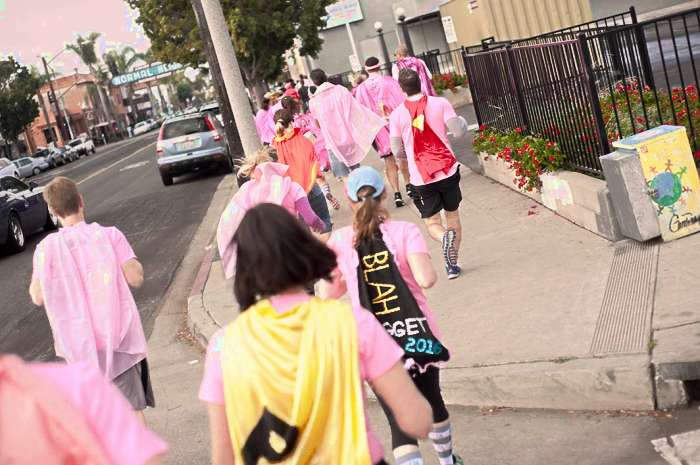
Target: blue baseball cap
point(364, 176)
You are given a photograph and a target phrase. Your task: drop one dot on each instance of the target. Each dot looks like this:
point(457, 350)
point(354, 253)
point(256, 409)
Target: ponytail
point(264, 155)
point(283, 118)
point(368, 216)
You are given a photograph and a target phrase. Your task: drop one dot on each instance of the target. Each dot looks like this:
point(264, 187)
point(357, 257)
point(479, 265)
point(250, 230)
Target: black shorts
point(431, 199)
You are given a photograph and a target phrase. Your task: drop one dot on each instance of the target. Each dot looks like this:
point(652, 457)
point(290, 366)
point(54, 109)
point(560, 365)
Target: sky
point(29, 28)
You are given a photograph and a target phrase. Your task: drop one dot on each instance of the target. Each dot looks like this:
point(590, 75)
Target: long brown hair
point(369, 215)
point(283, 119)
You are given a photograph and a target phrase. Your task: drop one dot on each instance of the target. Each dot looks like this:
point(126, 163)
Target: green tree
point(17, 105)
point(184, 90)
point(120, 61)
point(261, 30)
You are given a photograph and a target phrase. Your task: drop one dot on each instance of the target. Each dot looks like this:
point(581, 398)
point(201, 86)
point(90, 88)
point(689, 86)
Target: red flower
point(551, 158)
point(482, 127)
point(696, 154)
point(518, 130)
point(550, 144)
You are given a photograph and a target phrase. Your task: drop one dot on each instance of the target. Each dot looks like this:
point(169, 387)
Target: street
point(121, 187)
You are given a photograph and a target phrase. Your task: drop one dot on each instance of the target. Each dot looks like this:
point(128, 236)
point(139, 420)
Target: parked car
point(7, 168)
point(141, 128)
point(189, 143)
point(30, 166)
point(23, 211)
point(214, 109)
point(80, 146)
point(151, 124)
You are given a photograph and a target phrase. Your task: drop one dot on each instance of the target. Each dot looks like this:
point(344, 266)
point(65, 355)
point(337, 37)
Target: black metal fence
point(609, 79)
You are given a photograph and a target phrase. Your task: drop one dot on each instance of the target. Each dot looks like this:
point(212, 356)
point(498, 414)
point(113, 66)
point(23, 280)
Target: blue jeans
point(318, 204)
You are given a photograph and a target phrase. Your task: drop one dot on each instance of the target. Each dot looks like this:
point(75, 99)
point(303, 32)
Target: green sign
point(146, 73)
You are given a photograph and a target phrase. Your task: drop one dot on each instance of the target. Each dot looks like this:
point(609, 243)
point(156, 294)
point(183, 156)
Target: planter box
point(462, 97)
point(581, 199)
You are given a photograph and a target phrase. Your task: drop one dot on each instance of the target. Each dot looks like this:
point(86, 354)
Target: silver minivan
point(189, 143)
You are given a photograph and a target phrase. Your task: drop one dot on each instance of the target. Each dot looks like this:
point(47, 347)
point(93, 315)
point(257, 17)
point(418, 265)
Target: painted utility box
point(672, 179)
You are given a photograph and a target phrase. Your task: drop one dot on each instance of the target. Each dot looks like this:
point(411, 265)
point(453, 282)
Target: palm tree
point(84, 47)
point(122, 61)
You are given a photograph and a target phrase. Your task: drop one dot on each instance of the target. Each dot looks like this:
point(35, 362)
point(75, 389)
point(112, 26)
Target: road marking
point(108, 167)
point(135, 165)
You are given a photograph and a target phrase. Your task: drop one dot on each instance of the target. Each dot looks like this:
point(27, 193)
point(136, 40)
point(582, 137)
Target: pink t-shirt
point(124, 439)
point(402, 239)
point(378, 353)
point(438, 112)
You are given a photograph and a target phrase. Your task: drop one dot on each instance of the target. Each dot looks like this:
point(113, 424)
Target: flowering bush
point(451, 81)
point(642, 108)
point(527, 155)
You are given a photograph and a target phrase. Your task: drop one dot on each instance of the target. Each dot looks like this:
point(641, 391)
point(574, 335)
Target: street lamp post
point(379, 27)
point(57, 109)
point(401, 16)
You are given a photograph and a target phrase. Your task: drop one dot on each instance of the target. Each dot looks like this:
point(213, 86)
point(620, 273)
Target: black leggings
point(428, 384)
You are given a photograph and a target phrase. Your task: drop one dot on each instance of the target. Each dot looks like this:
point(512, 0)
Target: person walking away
point(382, 95)
point(308, 124)
point(304, 92)
point(418, 130)
point(405, 61)
point(347, 127)
point(384, 265)
point(261, 122)
point(275, 105)
point(297, 152)
point(58, 414)
point(81, 275)
point(269, 183)
point(284, 381)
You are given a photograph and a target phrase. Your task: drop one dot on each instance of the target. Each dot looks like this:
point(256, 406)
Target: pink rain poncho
point(93, 316)
point(381, 94)
point(269, 184)
point(419, 66)
point(306, 123)
point(261, 124)
point(348, 127)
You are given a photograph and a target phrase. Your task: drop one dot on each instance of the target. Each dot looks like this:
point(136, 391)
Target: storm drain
point(624, 323)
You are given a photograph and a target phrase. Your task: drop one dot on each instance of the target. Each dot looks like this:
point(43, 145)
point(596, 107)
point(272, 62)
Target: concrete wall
point(513, 19)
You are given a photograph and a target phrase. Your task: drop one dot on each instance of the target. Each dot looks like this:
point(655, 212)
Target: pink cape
point(348, 127)
point(307, 123)
point(262, 126)
point(269, 184)
point(93, 316)
point(381, 94)
point(418, 65)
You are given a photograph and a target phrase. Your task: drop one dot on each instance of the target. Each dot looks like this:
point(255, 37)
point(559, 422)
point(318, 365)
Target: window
point(12, 185)
point(184, 127)
point(24, 162)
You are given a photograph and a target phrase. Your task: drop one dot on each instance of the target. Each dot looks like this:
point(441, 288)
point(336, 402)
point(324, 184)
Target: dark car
point(23, 211)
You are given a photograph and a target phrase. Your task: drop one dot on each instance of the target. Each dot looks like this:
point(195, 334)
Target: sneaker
point(457, 460)
point(449, 252)
point(410, 191)
point(398, 200)
point(453, 272)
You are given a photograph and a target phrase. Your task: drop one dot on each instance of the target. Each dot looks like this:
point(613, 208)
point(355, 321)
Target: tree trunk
point(259, 92)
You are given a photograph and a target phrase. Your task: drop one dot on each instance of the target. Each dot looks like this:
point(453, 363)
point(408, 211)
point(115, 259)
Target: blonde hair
point(250, 162)
point(62, 197)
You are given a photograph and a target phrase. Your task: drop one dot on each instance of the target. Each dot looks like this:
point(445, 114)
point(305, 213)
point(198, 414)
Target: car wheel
point(228, 165)
point(51, 222)
point(93, 150)
point(15, 235)
point(36, 171)
point(166, 178)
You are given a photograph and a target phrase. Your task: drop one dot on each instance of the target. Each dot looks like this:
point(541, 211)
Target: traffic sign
point(146, 73)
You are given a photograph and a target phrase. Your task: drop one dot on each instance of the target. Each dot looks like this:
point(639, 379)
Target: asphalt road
point(121, 187)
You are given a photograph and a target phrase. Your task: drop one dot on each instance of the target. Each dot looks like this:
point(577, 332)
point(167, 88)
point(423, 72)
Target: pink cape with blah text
point(306, 123)
point(381, 94)
point(269, 184)
point(348, 127)
point(93, 315)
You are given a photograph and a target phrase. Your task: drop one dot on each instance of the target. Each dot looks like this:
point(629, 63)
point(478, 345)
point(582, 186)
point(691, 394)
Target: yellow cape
point(292, 386)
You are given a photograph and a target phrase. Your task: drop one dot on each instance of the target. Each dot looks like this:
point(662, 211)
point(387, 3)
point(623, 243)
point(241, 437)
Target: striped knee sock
point(408, 455)
point(441, 437)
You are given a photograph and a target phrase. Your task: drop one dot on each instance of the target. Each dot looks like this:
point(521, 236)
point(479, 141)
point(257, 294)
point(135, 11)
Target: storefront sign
point(449, 27)
point(146, 73)
point(343, 12)
point(672, 179)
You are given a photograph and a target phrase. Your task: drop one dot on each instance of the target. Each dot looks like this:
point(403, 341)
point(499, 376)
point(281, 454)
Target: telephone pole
point(234, 139)
point(223, 52)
